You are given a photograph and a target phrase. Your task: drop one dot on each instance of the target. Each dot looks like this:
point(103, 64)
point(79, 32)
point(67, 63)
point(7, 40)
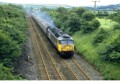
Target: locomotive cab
point(66, 45)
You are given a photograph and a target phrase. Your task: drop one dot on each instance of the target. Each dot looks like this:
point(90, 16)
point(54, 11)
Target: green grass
point(106, 23)
point(84, 45)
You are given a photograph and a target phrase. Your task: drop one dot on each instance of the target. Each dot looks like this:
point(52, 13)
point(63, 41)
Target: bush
point(115, 17)
point(88, 16)
point(95, 24)
point(112, 51)
point(86, 27)
point(116, 26)
point(102, 13)
point(6, 73)
point(89, 26)
point(80, 11)
point(13, 32)
point(115, 55)
point(62, 10)
point(9, 49)
point(73, 23)
point(102, 34)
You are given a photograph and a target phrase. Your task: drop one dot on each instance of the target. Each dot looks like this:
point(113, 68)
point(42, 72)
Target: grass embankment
point(106, 23)
point(90, 51)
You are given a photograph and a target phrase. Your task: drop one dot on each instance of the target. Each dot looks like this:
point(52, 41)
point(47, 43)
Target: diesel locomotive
point(61, 41)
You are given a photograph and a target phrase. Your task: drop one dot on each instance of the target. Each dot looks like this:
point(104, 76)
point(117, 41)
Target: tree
point(89, 26)
point(6, 73)
point(13, 28)
point(8, 48)
point(80, 11)
point(95, 24)
point(73, 23)
point(88, 16)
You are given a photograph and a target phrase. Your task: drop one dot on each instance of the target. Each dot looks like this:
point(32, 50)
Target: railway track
point(38, 54)
point(52, 67)
point(49, 64)
point(76, 70)
point(81, 69)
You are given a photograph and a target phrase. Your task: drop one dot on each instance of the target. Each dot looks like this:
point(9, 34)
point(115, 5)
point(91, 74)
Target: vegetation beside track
point(95, 40)
point(13, 29)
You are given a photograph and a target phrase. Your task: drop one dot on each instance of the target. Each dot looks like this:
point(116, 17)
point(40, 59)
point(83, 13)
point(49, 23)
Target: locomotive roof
point(65, 36)
point(60, 34)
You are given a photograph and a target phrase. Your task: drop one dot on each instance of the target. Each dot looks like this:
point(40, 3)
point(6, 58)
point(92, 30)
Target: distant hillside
point(109, 7)
point(3, 3)
point(51, 6)
point(55, 6)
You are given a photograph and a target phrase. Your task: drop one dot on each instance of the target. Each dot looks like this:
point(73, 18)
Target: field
point(106, 23)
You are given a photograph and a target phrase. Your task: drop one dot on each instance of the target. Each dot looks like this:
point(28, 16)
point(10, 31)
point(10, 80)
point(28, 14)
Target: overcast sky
point(68, 2)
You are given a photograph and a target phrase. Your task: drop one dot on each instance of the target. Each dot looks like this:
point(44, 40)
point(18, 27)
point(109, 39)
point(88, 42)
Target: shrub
point(80, 11)
point(112, 51)
point(6, 73)
point(73, 23)
point(100, 36)
point(62, 10)
point(86, 27)
point(116, 26)
point(9, 49)
point(88, 16)
point(89, 26)
point(13, 32)
point(115, 55)
point(95, 24)
point(115, 17)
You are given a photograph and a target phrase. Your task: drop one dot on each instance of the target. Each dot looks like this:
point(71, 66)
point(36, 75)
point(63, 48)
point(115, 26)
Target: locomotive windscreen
point(66, 42)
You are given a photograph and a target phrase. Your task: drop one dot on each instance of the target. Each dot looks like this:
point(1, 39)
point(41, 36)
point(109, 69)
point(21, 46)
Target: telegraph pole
point(95, 5)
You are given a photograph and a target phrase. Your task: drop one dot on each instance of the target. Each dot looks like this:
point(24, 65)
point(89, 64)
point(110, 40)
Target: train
point(63, 42)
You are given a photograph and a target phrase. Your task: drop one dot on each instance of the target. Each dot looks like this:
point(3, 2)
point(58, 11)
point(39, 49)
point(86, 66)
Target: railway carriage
point(62, 41)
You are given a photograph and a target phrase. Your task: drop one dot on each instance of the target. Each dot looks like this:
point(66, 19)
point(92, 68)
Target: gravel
point(26, 64)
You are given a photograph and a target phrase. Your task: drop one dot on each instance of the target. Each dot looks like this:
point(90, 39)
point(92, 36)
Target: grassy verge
point(106, 23)
point(85, 46)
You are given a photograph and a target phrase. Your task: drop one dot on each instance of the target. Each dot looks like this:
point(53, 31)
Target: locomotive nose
point(67, 48)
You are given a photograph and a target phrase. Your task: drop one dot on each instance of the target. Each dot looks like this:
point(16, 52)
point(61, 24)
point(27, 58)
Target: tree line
point(13, 29)
point(73, 20)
